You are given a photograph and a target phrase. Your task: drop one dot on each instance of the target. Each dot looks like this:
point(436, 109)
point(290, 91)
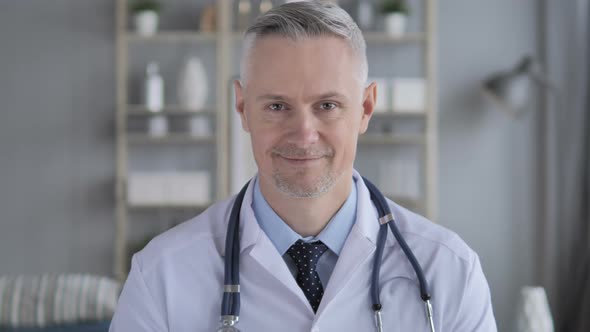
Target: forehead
point(306, 64)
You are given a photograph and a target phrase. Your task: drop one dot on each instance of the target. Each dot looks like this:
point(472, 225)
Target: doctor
point(304, 100)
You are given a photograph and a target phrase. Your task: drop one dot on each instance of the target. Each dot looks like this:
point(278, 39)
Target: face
point(304, 107)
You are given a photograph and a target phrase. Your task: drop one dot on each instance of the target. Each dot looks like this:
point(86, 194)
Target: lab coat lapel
point(263, 250)
point(358, 248)
point(267, 256)
point(355, 253)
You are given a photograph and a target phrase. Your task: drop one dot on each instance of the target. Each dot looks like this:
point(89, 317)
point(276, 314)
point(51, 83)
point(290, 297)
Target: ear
point(369, 100)
point(239, 92)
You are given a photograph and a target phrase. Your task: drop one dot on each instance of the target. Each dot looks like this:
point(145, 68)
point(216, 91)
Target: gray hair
point(306, 19)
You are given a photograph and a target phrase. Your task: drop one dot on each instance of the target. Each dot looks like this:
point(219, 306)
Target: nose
point(303, 129)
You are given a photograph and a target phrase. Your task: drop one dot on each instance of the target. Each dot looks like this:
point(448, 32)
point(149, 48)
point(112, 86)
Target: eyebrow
point(329, 94)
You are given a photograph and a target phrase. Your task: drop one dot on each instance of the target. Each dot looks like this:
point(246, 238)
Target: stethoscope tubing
point(230, 306)
point(383, 210)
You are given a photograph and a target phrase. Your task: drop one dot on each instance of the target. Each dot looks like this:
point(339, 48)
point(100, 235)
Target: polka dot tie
point(306, 256)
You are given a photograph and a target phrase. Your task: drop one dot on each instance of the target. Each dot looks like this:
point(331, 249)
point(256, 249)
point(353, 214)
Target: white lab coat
point(175, 283)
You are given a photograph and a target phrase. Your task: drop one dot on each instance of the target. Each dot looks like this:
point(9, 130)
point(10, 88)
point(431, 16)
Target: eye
point(328, 106)
point(276, 107)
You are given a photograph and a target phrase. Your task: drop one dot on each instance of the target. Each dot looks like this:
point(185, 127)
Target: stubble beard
point(291, 184)
point(320, 185)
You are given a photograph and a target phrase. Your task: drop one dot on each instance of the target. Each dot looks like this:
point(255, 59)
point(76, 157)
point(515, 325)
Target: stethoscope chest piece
point(228, 329)
point(227, 325)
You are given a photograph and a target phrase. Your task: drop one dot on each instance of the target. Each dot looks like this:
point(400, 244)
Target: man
point(303, 99)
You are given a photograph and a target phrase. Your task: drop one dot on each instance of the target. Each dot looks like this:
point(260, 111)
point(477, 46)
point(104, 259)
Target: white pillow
point(45, 300)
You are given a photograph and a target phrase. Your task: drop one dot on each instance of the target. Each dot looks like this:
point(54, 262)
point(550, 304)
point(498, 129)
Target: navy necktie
point(306, 256)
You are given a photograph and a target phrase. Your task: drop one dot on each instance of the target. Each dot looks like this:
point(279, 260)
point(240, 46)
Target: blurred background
point(117, 123)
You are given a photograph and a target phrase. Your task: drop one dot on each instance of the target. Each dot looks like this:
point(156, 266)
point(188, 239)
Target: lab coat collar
point(358, 248)
point(262, 250)
point(366, 223)
point(249, 229)
point(283, 236)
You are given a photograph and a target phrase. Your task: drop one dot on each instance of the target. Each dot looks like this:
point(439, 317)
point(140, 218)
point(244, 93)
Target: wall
point(487, 161)
point(56, 136)
point(57, 147)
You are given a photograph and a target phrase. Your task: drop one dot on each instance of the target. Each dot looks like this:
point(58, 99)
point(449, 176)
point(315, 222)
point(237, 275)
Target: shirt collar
point(283, 237)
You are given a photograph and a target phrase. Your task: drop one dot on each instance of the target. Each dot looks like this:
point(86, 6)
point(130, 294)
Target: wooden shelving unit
point(126, 140)
point(223, 40)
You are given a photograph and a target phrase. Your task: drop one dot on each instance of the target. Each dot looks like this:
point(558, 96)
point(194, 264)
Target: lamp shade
point(511, 90)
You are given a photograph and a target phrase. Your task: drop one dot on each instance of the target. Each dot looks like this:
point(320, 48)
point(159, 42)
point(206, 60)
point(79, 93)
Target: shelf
point(174, 36)
point(168, 206)
point(169, 139)
point(383, 139)
point(399, 114)
point(140, 110)
point(381, 37)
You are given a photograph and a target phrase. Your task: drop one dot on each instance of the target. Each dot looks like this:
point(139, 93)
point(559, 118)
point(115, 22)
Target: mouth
point(300, 160)
point(293, 156)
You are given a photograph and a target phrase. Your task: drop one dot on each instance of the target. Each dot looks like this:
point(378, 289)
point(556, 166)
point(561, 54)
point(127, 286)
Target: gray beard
point(321, 185)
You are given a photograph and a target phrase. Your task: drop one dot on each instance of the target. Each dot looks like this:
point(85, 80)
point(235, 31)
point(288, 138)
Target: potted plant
point(145, 16)
point(396, 13)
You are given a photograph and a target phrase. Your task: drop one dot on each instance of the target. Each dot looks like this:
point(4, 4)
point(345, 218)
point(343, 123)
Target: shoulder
point(453, 272)
point(448, 263)
point(430, 237)
point(204, 231)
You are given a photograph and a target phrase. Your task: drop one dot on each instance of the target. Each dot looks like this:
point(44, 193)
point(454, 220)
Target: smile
point(300, 160)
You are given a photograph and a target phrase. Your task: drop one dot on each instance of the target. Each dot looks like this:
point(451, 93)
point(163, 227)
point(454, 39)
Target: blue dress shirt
point(283, 237)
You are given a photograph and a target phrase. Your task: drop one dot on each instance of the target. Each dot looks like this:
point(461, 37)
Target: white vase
point(395, 24)
point(146, 22)
point(153, 88)
point(192, 85)
point(534, 314)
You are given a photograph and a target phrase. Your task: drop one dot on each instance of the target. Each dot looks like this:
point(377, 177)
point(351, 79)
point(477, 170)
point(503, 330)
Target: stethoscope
point(230, 307)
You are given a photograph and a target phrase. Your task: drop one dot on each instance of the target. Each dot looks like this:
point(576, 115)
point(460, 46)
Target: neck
point(307, 216)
